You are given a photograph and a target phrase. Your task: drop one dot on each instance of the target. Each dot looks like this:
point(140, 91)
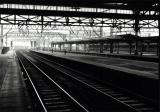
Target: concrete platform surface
point(13, 96)
point(145, 57)
point(3, 67)
point(143, 68)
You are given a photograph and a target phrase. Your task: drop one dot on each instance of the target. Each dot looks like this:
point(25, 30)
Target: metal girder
point(74, 2)
point(22, 20)
point(146, 6)
point(108, 4)
point(76, 14)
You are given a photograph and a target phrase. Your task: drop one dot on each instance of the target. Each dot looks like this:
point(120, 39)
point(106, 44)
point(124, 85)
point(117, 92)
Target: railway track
point(135, 102)
point(98, 102)
point(51, 97)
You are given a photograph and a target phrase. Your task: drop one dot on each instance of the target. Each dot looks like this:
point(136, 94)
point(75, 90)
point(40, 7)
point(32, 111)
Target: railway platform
point(150, 57)
point(13, 94)
point(137, 67)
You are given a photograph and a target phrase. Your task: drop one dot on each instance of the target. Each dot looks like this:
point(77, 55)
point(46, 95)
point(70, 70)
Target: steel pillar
point(31, 44)
point(101, 47)
point(77, 47)
point(55, 47)
point(130, 48)
point(70, 47)
point(111, 47)
point(60, 46)
point(158, 47)
point(136, 29)
point(101, 32)
point(1, 38)
point(42, 28)
point(142, 45)
point(111, 31)
point(118, 47)
point(158, 44)
point(11, 44)
point(35, 44)
point(63, 47)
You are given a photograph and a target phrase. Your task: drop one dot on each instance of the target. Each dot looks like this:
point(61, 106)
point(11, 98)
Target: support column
point(130, 48)
point(42, 28)
point(55, 47)
point(35, 44)
point(101, 47)
point(107, 46)
point(77, 47)
point(84, 47)
point(101, 32)
point(31, 43)
point(118, 47)
point(1, 38)
point(148, 47)
point(60, 47)
point(142, 49)
point(158, 44)
point(70, 47)
point(136, 46)
point(159, 48)
point(111, 47)
point(111, 31)
point(11, 45)
point(38, 43)
point(52, 45)
point(136, 29)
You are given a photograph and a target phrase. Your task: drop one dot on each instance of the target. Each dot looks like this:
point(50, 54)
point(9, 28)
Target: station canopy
point(78, 19)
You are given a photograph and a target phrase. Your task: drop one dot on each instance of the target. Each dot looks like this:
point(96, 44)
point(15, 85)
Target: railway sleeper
point(139, 105)
point(55, 102)
point(59, 106)
point(61, 110)
point(116, 94)
point(52, 99)
point(49, 96)
point(48, 93)
point(130, 101)
point(146, 109)
point(46, 90)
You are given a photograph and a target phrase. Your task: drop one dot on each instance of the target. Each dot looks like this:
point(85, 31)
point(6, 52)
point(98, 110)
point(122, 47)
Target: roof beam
point(76, 14)
point(77, 1)
point(129, 4)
